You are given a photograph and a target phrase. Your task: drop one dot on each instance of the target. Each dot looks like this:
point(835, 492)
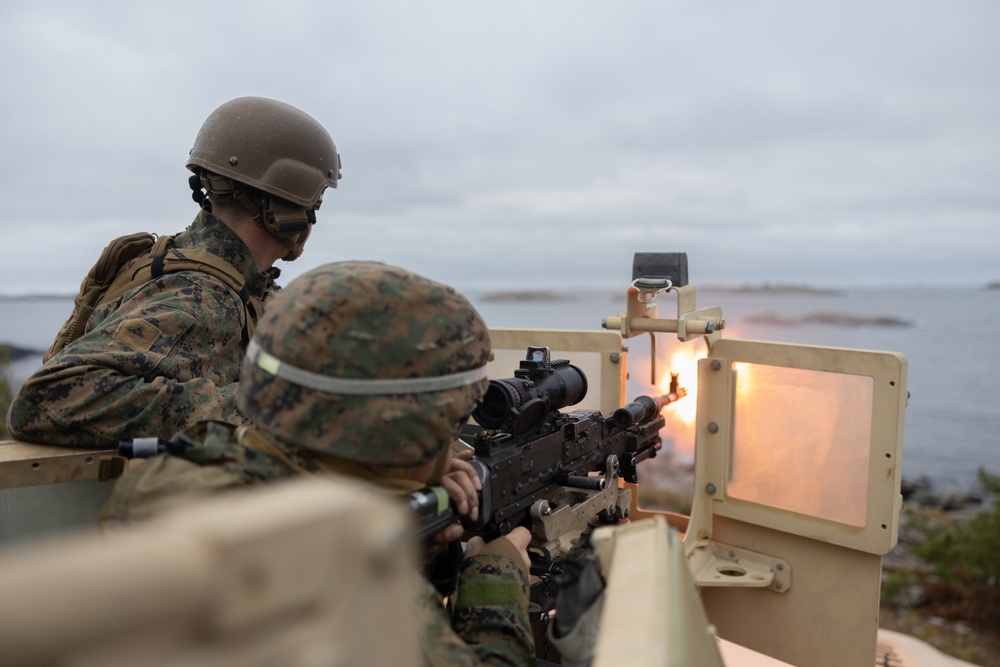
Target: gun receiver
point(536, 463)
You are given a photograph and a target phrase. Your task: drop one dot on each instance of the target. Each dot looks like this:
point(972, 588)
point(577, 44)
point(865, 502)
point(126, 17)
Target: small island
point(829, 317)
point(36, 297)
point(769, 288)
point(10, 352)
point(526, 295)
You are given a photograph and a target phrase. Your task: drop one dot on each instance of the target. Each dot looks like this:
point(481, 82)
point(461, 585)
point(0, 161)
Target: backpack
point(136, 259)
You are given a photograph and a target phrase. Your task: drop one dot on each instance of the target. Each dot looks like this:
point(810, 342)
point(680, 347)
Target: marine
point(368, 371)
point(166, 353)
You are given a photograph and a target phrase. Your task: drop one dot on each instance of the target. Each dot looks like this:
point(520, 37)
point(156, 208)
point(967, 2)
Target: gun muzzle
point(644, 407)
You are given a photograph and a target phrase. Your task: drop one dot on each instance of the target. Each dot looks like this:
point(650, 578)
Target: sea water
point(949, 337)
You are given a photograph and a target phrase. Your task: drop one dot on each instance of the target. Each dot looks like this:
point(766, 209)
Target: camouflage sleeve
point(489, 616)
point(167, 357)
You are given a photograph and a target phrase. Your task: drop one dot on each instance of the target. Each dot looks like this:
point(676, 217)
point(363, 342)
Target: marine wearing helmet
point(366, 370)
point(355, 366)
point(271, 158)
point(157, 343)
point(357, 339)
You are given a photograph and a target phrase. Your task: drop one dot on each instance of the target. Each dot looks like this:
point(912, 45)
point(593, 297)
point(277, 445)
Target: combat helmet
point(275, 159)
point(365, 362)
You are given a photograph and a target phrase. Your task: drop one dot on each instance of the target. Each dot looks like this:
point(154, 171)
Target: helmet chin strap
point(288, 223)
point(294, 248)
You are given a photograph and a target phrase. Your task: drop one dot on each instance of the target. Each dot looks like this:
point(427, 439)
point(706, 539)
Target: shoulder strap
point(240, 449)
point(166, 259)
point(196, 259)
point(132, 261)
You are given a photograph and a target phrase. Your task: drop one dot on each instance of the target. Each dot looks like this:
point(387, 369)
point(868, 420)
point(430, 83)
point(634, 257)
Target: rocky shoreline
point(9, 352)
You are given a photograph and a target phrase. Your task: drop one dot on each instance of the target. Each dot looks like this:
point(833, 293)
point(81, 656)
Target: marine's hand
point(520, 537)
point(459, 479)
point(453, 532)
point(461, 482)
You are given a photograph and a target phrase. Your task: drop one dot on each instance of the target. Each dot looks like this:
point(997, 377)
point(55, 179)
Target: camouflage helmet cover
point(271, 146)
point(373, 323)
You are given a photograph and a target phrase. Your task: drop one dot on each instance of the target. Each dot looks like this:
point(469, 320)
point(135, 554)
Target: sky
point(529, 145)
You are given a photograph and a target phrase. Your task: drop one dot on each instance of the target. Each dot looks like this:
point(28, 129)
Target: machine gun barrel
point(644, 407)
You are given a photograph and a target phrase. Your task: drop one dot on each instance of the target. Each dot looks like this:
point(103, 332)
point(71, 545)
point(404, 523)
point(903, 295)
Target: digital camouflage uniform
point(367, 370)
point(486, 621)
point(162, 357)
point(167, 354)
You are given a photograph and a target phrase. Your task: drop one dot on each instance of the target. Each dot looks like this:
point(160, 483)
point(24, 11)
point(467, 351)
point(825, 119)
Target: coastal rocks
point(922, 493)
point(667, 483)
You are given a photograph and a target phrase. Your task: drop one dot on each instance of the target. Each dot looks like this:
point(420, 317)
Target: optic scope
point(520, 405)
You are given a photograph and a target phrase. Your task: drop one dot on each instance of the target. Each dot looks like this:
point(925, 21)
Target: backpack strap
point(242, 450)
point(195, 259)
point(134, 260)
point(163, 258)
point(94, 286)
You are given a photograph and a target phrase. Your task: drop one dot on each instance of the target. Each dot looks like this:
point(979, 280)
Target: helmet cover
point(365, 324)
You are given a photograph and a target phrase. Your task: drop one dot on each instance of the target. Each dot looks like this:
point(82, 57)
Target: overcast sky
point(529, 144)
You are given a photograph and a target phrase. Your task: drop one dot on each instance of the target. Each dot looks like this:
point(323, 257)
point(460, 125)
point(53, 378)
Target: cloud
point(529, 143)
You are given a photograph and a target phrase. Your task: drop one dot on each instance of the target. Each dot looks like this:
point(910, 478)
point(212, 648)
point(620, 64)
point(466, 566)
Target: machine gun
point(536, 463)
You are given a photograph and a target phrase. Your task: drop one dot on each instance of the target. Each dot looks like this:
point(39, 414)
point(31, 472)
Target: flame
point(684, 361)
point(680, 415)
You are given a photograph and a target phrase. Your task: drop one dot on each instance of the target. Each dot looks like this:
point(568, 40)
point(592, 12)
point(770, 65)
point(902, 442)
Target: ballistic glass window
point(802, 441)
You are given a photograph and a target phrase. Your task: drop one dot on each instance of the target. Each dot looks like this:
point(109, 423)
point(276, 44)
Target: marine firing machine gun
point(548, 470)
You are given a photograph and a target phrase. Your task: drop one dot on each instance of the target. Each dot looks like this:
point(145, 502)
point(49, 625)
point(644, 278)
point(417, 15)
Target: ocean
point(947, 335)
